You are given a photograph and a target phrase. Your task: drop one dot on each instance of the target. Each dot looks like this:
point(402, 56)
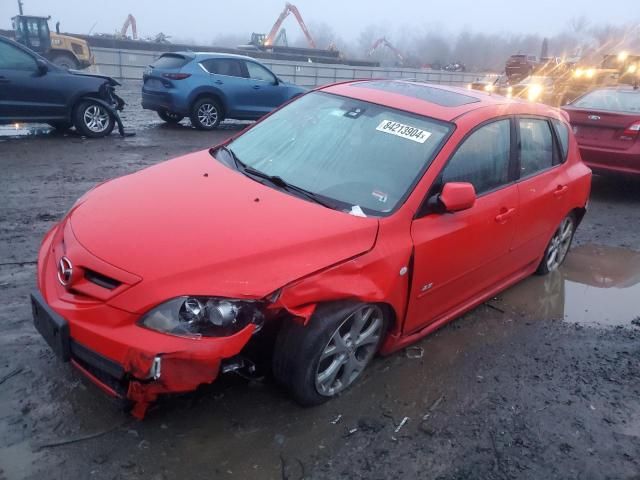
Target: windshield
point(624, 101)
point(355, 152)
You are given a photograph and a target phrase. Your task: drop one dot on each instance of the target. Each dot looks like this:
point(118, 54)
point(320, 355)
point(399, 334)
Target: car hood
point(193, 226)
point(80, 73)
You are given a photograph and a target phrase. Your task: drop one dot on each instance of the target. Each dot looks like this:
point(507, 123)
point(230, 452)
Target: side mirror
point(457, 196)
point(43, 67)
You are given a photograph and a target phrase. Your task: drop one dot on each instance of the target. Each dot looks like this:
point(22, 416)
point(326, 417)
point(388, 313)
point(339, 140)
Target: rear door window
point(483, 159)
point(224, 66)
point(171, 61)
point(536, 146)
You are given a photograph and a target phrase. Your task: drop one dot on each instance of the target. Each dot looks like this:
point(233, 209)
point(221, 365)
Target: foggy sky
point(203, 20)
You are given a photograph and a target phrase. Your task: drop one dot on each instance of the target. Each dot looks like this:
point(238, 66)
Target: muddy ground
point(541, 382)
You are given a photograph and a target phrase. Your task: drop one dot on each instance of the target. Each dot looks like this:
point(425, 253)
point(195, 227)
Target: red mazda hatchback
point(354, 220)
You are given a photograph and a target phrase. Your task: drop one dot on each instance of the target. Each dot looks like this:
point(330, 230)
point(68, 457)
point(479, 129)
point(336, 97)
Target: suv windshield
point(351, 151)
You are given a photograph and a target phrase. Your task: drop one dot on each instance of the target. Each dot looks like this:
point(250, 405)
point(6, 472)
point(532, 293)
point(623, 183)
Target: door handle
point(218, 82)
point(506, 214)
point(256, 87)
point(560, 190)
point(4, 80)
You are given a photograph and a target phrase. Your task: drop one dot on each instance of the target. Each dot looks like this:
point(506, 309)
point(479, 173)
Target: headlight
point(578, 73)
point(534, 92)
point(489, 88)
point(590, 73)
point(197, 317)
point(632, 68)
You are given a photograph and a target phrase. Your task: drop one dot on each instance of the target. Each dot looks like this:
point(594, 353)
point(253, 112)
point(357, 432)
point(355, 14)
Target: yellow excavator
point(63, 50)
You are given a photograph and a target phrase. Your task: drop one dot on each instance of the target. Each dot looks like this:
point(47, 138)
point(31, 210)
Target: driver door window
point(483, 159)
point(12, 58)
point(258, 72)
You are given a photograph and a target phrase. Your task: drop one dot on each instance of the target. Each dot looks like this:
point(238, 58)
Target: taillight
point(176, 76)
point(631, 132)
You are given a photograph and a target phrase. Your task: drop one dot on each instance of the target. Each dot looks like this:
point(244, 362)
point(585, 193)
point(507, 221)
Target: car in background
point(210, 87)
point(520, 66)
point(606, 123)
point(533, 88)
point(34, 90)
point(356, 219)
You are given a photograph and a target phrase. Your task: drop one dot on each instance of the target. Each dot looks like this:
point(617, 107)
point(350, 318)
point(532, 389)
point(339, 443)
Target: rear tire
point(322, 359)
point(92, 119)
point(65, 60)
point(170, 117)
point(206, 114)
point(558, 247)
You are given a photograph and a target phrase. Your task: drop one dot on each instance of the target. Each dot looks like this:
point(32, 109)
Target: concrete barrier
point(130, 65)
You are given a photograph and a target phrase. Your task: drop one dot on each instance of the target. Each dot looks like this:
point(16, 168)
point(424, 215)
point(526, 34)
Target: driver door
point(459, 256)
point(266, 91)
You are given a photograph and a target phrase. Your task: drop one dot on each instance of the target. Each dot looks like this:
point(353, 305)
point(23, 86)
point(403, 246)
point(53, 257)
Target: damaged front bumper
point(140, 364)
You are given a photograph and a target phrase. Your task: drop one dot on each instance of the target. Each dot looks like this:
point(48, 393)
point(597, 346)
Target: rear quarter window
point(562, 132)
point(171, 61)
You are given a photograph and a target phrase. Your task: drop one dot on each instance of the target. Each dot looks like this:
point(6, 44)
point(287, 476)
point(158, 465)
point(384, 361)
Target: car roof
point(436, 101)
point(203, 55)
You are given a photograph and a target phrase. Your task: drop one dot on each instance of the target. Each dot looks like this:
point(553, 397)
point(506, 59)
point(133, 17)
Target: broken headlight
point(203, 316)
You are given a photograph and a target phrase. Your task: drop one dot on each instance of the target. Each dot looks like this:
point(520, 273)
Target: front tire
point(65, 60)
point(558, 247)
point(170, 117)
point(92, 119)
point(322, 359)
point(206, 114)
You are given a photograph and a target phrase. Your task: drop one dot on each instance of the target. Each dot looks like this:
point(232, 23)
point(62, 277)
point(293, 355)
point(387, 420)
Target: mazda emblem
point(65, 271)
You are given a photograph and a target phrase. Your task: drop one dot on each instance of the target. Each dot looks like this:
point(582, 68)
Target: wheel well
point(578, 213)
point(212, 95)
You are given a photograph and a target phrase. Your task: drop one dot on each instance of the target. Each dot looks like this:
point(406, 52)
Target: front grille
point(101, 280)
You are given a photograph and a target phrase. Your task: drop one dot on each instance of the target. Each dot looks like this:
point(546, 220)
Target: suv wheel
point(206, 114)
point(170, 117)
point(92, 119)
point(320, 360)
point(65, 60)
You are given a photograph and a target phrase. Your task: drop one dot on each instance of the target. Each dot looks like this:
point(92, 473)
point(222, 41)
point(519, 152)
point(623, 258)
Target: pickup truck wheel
point(65, 61)
point(320, 360)
point(558, 247)
point(206, 114)
point(170, 117)
point(92, 119)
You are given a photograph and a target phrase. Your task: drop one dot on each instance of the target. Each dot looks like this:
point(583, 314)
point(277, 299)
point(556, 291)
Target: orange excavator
point(384, 42)
point(129, 22)
point(269, 40)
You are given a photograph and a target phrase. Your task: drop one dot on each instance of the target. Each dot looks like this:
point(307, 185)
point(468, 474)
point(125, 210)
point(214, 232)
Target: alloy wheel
point(349, 350)
point(96, 118)
point(207, 114)
point(559, 246)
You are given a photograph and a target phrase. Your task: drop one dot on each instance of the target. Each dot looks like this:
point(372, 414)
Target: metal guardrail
point(130, 65)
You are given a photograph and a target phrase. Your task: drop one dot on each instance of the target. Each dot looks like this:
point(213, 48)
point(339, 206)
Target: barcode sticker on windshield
point(405, 131)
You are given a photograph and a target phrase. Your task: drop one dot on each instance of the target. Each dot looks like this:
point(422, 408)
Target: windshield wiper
point(275, 179)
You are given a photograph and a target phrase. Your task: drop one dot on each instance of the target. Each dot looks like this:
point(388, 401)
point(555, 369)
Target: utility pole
point(20, 7)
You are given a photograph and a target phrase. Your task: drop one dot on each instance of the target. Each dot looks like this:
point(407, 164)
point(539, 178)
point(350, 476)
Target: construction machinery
point(385, 43)
point(63, 50)
point(129, 22)
point(269, 40)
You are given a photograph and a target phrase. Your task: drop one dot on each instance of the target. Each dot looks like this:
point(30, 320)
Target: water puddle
point(597, 285)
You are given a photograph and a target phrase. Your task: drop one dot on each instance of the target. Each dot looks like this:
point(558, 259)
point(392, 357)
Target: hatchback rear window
point(623, 101)
point(171, 60)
